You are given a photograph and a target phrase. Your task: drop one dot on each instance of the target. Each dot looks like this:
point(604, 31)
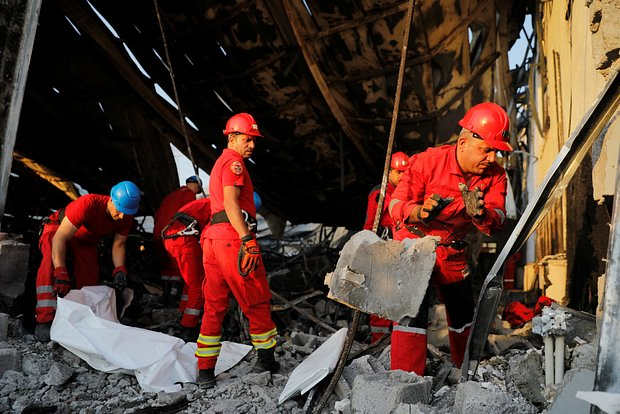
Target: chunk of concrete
point(58, 374)
point(566, 402)
point(13, 268)
point(485, 398)
point(385, 278)
point(10, 360)
point(384, 392)
point(527, 374)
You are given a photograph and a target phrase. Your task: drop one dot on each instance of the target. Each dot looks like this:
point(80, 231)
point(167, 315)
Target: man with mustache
point(231, 255)
point(448, 192)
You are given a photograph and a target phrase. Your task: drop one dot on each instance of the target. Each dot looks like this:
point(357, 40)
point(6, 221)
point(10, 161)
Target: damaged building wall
point(578, 50)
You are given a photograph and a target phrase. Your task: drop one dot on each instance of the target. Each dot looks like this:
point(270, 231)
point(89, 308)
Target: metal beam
point(319, 79)
point(21, 17)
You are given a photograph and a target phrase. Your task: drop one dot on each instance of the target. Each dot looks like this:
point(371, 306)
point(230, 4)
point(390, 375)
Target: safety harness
point(192, 228)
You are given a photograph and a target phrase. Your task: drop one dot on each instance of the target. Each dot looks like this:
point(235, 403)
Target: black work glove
point(432, 207)
point(119, 277)
point(474, 201)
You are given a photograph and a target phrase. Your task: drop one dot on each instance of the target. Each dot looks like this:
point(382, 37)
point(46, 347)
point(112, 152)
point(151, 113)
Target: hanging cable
point(176, 94)
point(357, 313)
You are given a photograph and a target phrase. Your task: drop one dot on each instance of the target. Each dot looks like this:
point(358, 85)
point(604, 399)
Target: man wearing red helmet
point(231, 256)
point(449, 192)
point(398, 164)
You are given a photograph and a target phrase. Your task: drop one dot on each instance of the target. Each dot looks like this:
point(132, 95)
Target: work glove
point(119, 277)
point(432, 207)
point(249, 255)
point(62, 281)
point(474, 201)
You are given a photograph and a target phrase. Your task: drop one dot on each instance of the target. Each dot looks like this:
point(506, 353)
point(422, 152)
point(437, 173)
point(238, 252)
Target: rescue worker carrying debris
point(448, 192)
point(170, 273)
point(77, 228)
point(181, 238)
point(398, 164)
point(231, 255)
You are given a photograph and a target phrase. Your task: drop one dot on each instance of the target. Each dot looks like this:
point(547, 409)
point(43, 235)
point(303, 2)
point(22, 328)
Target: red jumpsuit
point(186, 251)
point(87, 213)
point(220, 247)
point(436, 171)
point(379, 326)
point(169, 206)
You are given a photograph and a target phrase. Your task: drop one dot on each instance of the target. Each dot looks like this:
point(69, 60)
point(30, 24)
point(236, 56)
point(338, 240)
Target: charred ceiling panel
point(319, 76)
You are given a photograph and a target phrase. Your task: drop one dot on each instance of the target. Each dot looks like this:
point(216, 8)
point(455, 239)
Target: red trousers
point(187, 254)
point(408, 351)
point(379, 327)
point(85, 271)
point(169, 270)
point(251, 292)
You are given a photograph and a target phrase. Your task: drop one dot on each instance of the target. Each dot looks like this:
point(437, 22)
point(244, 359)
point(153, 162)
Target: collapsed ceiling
point(320, 78)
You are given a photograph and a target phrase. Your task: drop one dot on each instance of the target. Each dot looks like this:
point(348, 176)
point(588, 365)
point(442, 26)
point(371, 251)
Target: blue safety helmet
point(194, 179)
point(257, 201)
point(126, 197)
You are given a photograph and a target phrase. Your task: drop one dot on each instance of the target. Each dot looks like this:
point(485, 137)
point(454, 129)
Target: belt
point(222, 217)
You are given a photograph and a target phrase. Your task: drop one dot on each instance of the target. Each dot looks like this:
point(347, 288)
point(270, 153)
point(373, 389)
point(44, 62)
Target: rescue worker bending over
point(77, 228)
point(398, 164)
point(448, 192)
point(182, 242)
point(231, 255)
point(169, 270)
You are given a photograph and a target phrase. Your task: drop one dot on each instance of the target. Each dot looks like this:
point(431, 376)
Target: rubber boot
point(42, 331)
point(206, 378)
point(266, 361)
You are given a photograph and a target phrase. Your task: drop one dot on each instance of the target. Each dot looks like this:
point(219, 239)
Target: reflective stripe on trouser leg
point(46, 300)
point(408, 350)
point(378, 327)
point(265, 340)
point(207, 350)
point(188, 255)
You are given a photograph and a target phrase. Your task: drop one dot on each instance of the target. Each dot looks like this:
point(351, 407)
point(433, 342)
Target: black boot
point(189, 334)
point(206, 378)
point(42, 331)
point(266, 361)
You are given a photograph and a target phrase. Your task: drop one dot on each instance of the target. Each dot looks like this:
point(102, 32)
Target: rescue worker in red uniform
point(77, 229)
point(170, 272)
point(231, 255)
point(398, 164)
point(182, 242)
point(448, 192)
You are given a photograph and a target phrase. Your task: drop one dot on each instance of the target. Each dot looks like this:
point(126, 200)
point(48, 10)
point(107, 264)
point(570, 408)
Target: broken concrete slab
point(527, 374)
point(579, 379)
point(13, 267)
point(385, 278)
point(10, 360)
point(486, 398)
point(384, 392)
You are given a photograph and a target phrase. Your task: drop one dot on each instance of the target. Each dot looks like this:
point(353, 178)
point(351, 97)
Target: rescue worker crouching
point(77, 229)
point(231, 255)
point(449, 192)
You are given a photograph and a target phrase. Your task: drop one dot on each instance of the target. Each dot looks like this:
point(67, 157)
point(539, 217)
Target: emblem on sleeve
point(236, 167)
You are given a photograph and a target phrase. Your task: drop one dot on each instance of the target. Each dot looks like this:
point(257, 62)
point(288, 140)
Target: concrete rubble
point(45, 377)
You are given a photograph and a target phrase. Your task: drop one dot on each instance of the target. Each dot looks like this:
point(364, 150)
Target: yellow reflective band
point(207, 352)
point(264, 344)
point(209, 340)
point(264, 336)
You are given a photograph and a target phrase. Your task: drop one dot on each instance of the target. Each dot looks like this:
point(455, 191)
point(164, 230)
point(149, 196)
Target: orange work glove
point(249, 255)
point(62, 281)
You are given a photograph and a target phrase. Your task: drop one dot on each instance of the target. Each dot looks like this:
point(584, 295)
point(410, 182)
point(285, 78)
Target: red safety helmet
point(491, 123)
point(399, 162)
point(242, 123)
